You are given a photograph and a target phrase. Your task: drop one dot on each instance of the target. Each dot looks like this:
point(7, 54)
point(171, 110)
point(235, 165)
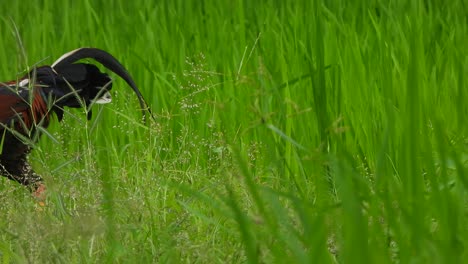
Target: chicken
point(26, 106)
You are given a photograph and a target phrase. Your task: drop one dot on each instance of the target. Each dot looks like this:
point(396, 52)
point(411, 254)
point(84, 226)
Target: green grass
point(302, 132)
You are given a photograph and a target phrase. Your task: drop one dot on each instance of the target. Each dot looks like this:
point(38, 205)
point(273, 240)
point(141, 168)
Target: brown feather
point(14, 107)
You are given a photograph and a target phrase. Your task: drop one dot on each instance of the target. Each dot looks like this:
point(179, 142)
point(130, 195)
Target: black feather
point(108, 61)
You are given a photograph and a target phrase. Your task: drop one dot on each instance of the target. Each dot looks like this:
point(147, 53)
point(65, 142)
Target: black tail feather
point(108, 61)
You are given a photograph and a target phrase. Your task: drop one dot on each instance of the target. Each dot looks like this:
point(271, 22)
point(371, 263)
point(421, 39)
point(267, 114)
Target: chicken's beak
point(104, 99)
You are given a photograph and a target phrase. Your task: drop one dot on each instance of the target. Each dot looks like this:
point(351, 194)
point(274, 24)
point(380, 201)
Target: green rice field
point(286, 132)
